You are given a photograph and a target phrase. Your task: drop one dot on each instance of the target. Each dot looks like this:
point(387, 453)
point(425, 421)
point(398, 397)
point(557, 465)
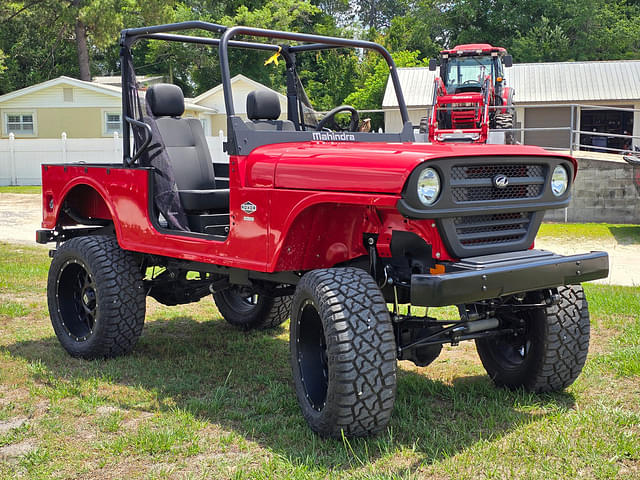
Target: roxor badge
point(248, 207)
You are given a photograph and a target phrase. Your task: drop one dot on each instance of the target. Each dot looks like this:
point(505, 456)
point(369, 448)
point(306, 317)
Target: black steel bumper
point(491, 276)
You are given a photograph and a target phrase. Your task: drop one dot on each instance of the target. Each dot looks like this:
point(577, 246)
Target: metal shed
point(544, 94)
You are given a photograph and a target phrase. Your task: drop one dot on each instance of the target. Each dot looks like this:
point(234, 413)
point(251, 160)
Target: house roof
point(539, 83)
point(110, 90)
point(105, 89)
point(235, 79)
point(116, 80)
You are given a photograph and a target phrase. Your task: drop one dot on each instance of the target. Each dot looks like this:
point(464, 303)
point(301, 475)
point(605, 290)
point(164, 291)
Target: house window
point(112, 123)
point(19, 123)
point(67, 93)
point(205, 126)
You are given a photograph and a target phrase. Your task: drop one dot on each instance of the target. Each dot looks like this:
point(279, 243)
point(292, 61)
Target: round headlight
point(428, 186)
point(559, 180)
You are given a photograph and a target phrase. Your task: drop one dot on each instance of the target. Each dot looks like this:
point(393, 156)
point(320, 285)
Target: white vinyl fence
point(21, 158)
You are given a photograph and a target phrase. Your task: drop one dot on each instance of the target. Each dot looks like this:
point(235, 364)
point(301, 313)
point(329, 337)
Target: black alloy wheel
point(343, 353)
point(248, 310)
point(551, 353)
point(96, 297)
point(77, 299)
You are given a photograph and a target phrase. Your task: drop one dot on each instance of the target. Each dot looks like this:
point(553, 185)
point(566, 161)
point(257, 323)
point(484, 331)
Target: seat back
point(263, 110)
point(184, 138)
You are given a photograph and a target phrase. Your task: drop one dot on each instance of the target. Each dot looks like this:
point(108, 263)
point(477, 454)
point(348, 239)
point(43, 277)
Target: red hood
point(359, 167)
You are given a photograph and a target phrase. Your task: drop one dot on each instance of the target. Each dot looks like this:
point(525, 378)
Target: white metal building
point(543, 95)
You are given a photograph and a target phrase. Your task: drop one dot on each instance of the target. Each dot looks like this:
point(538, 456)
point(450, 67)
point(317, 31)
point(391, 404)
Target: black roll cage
point(242, 138)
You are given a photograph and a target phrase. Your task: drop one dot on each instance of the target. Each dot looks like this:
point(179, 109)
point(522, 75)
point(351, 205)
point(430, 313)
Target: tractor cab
point(467, 93)
point(465, 68)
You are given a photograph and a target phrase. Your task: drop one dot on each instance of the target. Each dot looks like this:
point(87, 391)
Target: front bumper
point(492, 276)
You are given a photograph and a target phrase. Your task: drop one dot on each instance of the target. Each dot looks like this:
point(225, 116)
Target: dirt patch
point(107, 409)
point(11, 424)
point(20, 217)
point(624, 260)
point(10, 452)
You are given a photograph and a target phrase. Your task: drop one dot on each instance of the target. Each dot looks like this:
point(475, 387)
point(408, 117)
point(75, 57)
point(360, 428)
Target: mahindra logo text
point(333, 136)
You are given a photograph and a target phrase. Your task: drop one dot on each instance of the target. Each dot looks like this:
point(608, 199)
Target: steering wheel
point(329, 117)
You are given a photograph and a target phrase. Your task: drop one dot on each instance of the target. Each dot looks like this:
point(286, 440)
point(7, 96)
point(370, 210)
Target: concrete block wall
point(604, 191)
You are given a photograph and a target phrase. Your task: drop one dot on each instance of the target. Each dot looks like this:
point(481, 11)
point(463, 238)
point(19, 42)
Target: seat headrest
point(263, 105)
point(165, 100)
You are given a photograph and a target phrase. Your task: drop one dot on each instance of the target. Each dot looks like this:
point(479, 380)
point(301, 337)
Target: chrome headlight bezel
point(428, 186)
point(559, 181)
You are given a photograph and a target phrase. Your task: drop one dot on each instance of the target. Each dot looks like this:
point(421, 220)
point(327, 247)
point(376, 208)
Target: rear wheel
point(95, 296)
point(551, 353)
point(248, 311)
point(342, 353)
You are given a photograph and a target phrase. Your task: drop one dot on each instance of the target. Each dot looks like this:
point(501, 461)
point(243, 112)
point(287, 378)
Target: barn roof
point(567, 82)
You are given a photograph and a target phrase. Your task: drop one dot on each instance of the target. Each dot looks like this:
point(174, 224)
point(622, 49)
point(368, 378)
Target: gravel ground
point(20, 217)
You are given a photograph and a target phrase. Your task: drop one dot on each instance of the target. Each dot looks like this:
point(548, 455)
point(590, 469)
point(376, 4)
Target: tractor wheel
point(506, 121)
point(252, 311)
point(96, 298)
point(551, 353)
point(343, 353)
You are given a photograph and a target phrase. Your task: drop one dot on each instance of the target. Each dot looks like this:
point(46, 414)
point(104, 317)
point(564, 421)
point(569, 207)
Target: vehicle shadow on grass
point(242, 382)
point(626, 235)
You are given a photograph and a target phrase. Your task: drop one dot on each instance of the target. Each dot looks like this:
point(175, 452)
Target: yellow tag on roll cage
point(273, 58)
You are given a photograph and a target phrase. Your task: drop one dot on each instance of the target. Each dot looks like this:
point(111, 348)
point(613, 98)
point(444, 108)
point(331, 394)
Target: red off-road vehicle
point(471, 96)
point(327, 228)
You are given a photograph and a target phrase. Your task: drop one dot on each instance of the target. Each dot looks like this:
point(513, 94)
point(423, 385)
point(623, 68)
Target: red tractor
point(332, 229)
point(470, 96)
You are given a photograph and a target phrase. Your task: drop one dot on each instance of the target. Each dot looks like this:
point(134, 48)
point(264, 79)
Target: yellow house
point(240, 86)
point(78, 108)
point(93, 110)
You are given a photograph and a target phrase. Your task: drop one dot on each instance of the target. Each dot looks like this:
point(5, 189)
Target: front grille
point(499, 228)
point(475, 194)
point(490, 171)
point(473, 183)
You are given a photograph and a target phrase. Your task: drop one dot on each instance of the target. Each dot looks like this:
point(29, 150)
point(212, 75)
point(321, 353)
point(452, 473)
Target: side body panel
point(313, 202)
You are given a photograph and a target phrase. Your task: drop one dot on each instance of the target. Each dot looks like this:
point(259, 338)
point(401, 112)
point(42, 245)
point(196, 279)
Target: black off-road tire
point(554, 348)
point(265, 312)
point(96, 297)
point(343, 353)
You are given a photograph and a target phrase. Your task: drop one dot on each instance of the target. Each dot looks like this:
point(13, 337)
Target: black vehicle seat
point(263, 109)
point(187, 150)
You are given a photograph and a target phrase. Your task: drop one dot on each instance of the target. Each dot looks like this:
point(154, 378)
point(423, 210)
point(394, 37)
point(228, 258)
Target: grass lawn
point(621, 233)
point(21, 189)
point(199, 399)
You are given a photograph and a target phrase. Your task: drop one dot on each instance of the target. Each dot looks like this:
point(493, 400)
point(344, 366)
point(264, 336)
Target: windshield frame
point(241, 138)
point(457, 62)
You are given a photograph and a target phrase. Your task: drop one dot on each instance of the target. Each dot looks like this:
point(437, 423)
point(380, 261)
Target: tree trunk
point(83, 51)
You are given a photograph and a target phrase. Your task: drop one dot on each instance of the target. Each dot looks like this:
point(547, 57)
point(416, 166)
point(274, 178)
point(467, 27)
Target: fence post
point(117, 144)
point(12, 159)
point(63, 137)
point(571, 136)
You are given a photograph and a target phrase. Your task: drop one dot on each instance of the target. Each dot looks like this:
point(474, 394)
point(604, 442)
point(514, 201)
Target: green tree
point(33, 57)
point(421, 29)
point(369, 93)
point(543, 43)
point(377, 14)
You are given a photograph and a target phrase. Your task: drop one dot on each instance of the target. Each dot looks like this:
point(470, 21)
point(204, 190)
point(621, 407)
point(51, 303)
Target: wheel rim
point(241, 303)
point(512, 352)
point(77, 300)
point(312, 356)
